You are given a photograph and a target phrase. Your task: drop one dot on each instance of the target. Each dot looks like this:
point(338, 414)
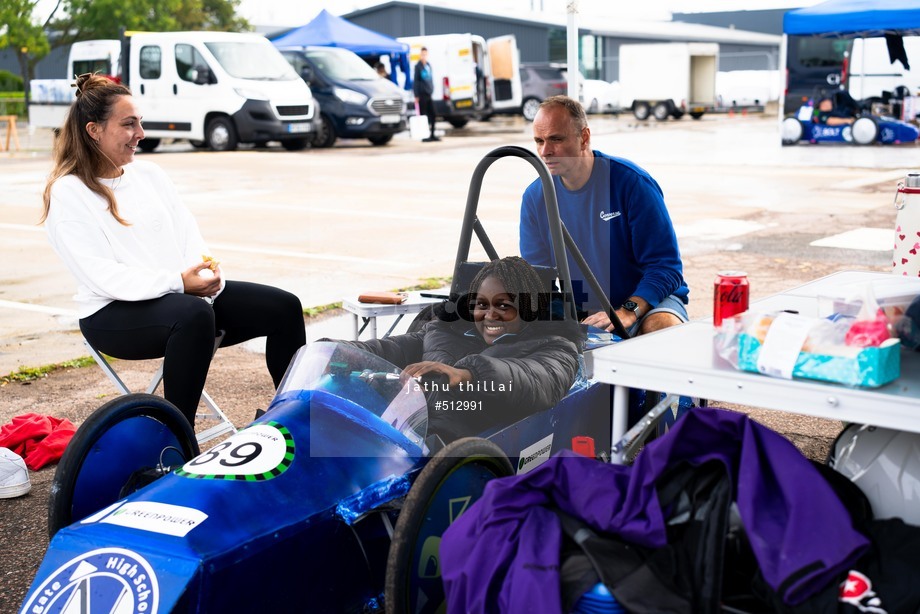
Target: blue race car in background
point(865, 130)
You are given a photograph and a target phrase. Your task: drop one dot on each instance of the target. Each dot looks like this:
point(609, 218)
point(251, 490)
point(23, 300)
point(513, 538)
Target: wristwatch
point(632, 306)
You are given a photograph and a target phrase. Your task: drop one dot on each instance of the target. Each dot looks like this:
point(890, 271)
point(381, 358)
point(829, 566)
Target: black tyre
point(383, 139)
point(325, 135)
point(661, 111)
point(677, 113)
point(128, 434)
point(295, 144)
point(865, 130)
point(641, 110)
point(792, 131)
point(529, 108)
point(457, 122)
point(221, 134)
point(696, 114)
point(148, 145)
point(451, 481)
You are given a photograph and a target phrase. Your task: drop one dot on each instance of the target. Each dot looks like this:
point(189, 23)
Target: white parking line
point(53, 311)
point(257, 250)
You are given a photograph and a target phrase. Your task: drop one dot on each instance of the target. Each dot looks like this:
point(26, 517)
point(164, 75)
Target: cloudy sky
point(298, 12)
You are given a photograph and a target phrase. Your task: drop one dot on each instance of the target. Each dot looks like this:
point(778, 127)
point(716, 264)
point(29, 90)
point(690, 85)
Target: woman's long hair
point(75, 151)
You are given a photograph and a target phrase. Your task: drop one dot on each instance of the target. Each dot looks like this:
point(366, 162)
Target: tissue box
point(870, 367)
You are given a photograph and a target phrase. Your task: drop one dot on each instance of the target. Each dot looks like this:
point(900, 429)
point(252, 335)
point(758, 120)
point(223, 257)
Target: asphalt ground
point(327, 224)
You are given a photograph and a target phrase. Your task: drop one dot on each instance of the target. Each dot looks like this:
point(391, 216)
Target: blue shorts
point(670, 304)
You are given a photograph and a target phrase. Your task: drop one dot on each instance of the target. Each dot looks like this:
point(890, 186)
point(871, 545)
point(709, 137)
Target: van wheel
point(221, 135)
point(325, 133)
point(641, 110)
point(295, 144)
point(148, 145)
point(662, 111)
point(530, 108)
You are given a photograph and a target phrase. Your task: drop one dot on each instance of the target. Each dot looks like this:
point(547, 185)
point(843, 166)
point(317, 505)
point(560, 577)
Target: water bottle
point(598, 601)
point(905, 260)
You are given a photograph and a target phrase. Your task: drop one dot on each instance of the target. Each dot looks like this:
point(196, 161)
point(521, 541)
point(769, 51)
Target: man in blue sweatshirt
point(616, 214)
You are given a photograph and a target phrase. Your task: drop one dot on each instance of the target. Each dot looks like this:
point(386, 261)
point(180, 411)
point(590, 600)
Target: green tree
point(92, 19)
point(24, 35)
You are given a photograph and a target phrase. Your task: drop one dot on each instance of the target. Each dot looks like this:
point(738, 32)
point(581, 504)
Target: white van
point(871, 73)
point(217, 89)
point(469, 83)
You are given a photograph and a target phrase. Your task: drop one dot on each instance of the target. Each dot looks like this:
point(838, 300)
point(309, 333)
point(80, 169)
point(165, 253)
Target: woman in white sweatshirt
point(146, 285)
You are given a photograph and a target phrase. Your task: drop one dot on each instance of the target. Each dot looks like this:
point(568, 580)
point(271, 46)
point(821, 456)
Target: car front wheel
point(221, 135)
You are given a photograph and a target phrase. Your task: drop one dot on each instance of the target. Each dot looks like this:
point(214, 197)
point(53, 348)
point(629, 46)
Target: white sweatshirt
point(125, 263)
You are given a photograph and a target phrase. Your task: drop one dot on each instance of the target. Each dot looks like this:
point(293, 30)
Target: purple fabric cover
point(502, 554)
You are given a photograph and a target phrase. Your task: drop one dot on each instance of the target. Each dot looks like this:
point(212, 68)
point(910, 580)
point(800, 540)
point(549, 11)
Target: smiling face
point(495, 313)
point(118, 136)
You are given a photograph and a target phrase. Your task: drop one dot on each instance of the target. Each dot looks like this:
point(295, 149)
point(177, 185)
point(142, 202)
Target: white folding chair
point(211, 410)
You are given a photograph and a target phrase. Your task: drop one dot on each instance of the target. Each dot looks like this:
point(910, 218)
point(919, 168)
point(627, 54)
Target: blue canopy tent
point(891, 19)
point(854, 18)
point(328, 30)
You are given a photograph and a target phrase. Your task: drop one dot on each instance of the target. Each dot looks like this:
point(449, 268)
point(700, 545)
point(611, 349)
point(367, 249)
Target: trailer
point(669, 79)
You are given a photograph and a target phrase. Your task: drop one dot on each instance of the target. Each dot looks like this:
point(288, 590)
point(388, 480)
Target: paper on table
point(782, 344)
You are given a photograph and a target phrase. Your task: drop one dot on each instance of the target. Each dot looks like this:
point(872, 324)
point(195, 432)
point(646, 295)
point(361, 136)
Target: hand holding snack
point(201, 279)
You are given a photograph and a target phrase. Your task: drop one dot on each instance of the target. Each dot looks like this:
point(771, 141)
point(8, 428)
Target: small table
point(369, 312)
point(682, 360)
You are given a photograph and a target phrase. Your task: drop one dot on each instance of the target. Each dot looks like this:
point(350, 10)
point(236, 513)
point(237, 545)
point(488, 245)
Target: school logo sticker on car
point(103, 581)
point(255, 454)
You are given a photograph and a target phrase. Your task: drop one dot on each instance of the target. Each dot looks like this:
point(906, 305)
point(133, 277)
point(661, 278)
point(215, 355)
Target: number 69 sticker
point(256, 454)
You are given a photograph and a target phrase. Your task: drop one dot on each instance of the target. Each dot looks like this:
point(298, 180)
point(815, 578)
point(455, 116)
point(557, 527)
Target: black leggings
point(181, 328)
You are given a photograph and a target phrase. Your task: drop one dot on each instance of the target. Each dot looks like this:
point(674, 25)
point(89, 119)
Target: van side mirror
point(201, 75)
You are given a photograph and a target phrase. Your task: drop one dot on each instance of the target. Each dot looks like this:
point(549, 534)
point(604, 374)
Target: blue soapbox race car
point(865, 129)
point(334, 500)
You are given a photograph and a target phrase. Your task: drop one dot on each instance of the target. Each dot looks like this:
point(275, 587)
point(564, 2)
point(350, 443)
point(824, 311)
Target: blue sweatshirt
point(621, 225)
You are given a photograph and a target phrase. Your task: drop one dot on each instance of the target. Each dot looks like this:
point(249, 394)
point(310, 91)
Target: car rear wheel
point(865, 131)
point(452, 480)
point(792, 131)
point(641, 110)
point(530, 108)
point(661, 111)
point(325, 135)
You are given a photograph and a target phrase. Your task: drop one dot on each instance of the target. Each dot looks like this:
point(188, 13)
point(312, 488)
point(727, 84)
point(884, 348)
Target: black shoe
point(435, 138)
point(430, 139)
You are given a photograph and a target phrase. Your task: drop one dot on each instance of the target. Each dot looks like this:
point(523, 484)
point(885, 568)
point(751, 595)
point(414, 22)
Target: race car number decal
point(259, 453)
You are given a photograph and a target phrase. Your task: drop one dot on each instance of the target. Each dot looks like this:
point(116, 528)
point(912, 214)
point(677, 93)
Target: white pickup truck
point(215, 89)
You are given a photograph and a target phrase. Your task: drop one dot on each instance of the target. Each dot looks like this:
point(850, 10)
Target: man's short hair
point(572, 106)
point(424, 49)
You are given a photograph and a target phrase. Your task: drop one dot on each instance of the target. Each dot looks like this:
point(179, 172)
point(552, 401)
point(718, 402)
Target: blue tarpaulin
point(854, 18)
point(328, 30)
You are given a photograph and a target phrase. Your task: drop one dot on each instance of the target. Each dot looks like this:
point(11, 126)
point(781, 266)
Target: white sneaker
point(14, 476)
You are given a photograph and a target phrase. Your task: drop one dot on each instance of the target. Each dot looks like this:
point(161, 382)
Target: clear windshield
point(342, 65)
point(252, 60)
point(364, 379)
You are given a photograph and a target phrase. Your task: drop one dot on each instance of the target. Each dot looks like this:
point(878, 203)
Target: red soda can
point(731, 296)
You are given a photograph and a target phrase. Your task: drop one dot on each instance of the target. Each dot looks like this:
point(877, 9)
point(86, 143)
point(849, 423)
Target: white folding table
point(682, 360)
point(369, 312)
